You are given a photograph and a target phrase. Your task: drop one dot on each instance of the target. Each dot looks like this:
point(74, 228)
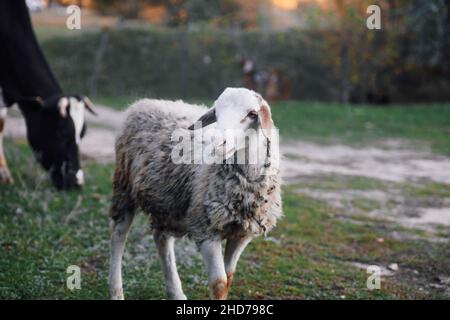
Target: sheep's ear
point(89, 105)
point(266, 120)
point(205, 120)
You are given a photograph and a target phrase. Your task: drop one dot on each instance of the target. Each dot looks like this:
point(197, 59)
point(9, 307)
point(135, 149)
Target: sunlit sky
point(286, 4)
point(293, 4)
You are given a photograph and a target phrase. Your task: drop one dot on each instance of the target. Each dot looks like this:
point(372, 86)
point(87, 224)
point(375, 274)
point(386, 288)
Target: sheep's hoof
point(178, 296)
point(117, 294)
point(219, 289)
point(5, 176)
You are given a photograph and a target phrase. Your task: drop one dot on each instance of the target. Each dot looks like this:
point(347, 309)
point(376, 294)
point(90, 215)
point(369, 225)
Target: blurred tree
point(422, 46)
point(407, 60)
point(219, 12)
point(179, 12)
point(126, 9)
point(410, 53)
point(428, 24)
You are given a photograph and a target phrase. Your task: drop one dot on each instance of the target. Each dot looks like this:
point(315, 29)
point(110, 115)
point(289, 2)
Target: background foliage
point(199, 63)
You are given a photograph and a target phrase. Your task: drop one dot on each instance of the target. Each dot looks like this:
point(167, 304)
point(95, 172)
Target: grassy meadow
point(310, 255)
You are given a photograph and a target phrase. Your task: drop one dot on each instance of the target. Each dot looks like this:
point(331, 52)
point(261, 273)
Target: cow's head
point(55, 127)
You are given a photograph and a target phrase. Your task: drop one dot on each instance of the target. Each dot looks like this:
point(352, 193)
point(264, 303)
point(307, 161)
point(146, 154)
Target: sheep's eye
point(252, 115)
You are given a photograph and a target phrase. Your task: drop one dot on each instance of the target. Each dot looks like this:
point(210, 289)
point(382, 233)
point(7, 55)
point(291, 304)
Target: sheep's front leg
point(5, 176)
point(120, 228)
point(166, 251)
point(211, 251)
point(233, 251)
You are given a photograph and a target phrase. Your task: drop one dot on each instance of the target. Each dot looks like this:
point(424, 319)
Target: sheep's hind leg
point(233, 251)
point(5, 176)
point(165, 244)
point(120, 227)
point(211, 251)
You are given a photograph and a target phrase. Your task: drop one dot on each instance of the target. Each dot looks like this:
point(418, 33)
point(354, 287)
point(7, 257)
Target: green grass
point(308, 255)
point(418, 126)
point(118, 103)
point(423, 125)
point(49, 32)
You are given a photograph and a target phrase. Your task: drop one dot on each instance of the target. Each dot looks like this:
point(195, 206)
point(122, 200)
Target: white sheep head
point(239, 115)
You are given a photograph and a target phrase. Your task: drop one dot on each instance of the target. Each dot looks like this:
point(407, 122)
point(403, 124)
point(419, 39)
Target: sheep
point(208, 203)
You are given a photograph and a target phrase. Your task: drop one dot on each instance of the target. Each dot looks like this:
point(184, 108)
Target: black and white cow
point(54, 120)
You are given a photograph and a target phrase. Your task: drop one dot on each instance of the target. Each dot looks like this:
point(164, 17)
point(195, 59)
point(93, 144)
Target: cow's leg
point(211, 251)
point(233, 250)
point(5, 176)
point(120, 227)
point(166, 251)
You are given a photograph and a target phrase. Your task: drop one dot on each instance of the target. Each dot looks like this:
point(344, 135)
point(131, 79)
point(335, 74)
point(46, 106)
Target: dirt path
point(303, 160)
point(395, 169)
